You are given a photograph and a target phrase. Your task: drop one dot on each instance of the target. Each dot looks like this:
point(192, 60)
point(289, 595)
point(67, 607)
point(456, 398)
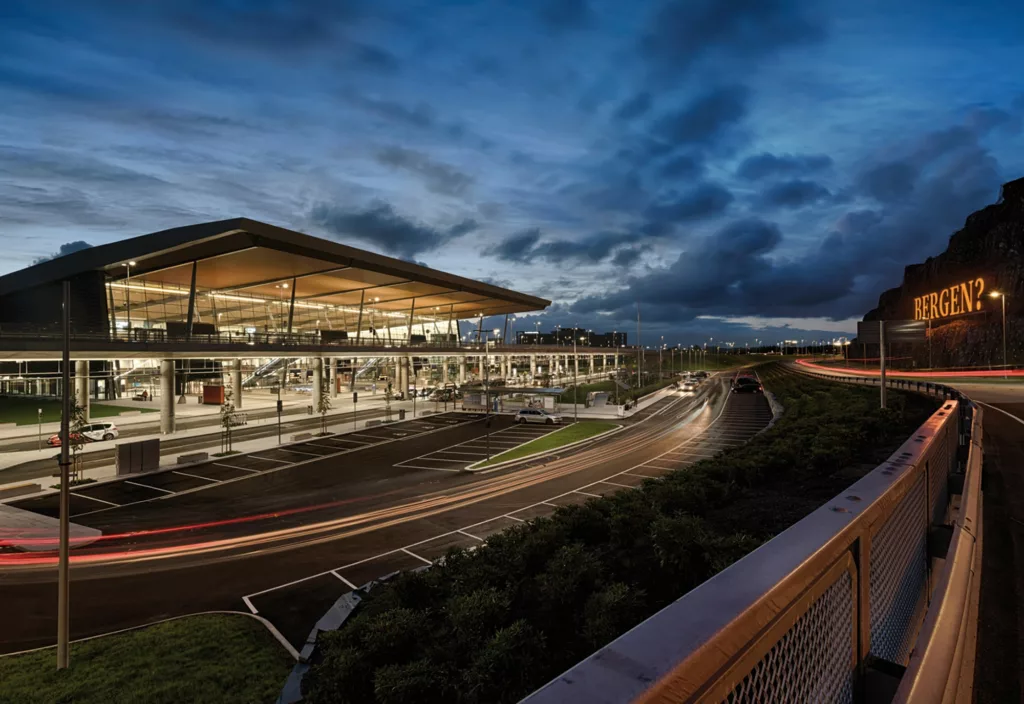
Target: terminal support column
point(334, 377)
point(355, 368)
point(236, 383)
point(82, 385)
point(318, 380)
point(462, 370)
point(533, 366)
point(444, 370)
point(167, 396)
point(576, 363)
point(590, 366)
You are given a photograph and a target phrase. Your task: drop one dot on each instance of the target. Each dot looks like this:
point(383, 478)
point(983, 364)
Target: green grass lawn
point(23, 411)
point(220, 658)
point(569, 434)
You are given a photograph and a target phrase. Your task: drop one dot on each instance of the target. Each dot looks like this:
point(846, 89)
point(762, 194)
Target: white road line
point(326, 447)
point(585, 493)
point(605, 481)
point(249, 604)
point(549, 502)
point(470, 535)
point(146, 486)
point(655, 466)
point(348, 583)
point(231, 466)
point(1005, 413)
point(456, 452)
point(439, 459)
point(194, 476)
point(257, 457)
point(520, 520)
point(298, 452)
point(434, 469)
point(102, 501)
point(418, 557)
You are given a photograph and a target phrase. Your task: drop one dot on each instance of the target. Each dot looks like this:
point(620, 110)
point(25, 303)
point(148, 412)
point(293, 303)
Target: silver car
point(537, 415)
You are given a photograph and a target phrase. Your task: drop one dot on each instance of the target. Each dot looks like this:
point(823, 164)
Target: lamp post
point(1002, 297)
point(575, 384)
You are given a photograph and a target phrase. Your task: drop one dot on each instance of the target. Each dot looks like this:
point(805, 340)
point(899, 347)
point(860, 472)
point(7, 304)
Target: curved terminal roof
point(256, 259)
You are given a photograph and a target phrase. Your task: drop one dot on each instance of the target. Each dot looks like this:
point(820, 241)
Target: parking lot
point(458, 457)
point(92, 498)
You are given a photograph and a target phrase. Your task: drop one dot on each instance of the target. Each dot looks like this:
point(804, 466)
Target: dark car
point(747, 385)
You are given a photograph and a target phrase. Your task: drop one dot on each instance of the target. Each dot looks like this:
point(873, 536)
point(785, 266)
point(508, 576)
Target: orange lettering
point(933, 300)
point(965, 292)
point(944, 302)
point(917, 308)
point(954, 294)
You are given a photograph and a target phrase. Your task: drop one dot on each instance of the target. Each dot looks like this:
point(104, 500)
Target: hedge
point(494, 624)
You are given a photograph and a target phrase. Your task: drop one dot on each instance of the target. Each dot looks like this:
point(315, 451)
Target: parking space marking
point(147, 486)
point(254, 455)
point(194, 476)
point(456, 452)
point(433, 469)
point(605, 481)
point(418, 557)
point(586, 493)
point(520, 520)
point(102, 501)
point(244, 469)
point(657, 466)
point(347, 583)
point(470, 535)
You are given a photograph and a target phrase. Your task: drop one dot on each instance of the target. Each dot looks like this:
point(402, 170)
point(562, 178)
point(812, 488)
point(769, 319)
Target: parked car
point(746, 385)
point(90, 433)
point(537, 415)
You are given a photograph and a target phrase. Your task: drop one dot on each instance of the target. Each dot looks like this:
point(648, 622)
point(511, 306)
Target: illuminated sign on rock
point(954, 300)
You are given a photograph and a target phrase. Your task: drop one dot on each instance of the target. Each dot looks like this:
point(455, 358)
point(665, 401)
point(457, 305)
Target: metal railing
point(831, 610)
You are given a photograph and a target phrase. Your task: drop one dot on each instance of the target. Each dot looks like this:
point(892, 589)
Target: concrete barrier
point(193, 457)
point(302, 436)
point(9, 492)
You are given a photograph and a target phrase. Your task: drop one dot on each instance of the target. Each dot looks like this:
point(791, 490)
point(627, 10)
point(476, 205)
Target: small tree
point(76, 438)
point(323, 404)
point(227, 420)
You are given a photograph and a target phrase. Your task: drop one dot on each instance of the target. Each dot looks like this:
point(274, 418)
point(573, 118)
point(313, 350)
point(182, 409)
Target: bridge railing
point(828, 611)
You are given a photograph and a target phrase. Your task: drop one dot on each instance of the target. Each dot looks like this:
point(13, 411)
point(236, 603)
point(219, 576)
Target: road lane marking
point(231, 466)
point(194, 476)
point(347, 583)
point(418, 557)
point(102, 501)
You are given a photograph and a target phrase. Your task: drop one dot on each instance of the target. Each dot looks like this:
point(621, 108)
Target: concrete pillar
point(318, 380)
point(355, 368)
point(236, 383)
point(590, 365)
point(410, 373)
point(82, 385)
point(576, 362)
point(334, 377)
point(616, 360)
point(444, 370)
point(462, 370)
point(167, 399)
point(533, 366)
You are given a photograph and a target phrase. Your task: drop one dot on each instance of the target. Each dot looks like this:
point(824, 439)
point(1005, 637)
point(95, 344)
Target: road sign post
point(355, 416)
point(881, 358)
point(280, 407)
point(63, 600)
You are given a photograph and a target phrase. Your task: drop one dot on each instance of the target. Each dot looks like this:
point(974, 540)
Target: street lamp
point(1002, 297)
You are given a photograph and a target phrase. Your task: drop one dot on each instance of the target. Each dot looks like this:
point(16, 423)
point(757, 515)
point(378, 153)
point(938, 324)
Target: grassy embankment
point(493, 624)
point(221, 658)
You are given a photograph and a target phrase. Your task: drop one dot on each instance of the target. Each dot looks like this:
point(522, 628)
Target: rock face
point(990, 246)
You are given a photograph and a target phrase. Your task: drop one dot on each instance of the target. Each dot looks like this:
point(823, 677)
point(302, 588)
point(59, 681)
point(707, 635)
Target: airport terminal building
point(243, 300)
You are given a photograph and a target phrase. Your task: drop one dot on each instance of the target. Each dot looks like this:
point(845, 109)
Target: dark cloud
point(890, 181)
point(67, 248)
point(681, 32)
point(564, 14)
point(517, 247)
point(438, 177)
point(374, 58)
point(703, 201)
point(528, 246)
point(797, 193)
point(706, 119)
point(682, 167)
point(767, 165)
point(637, 106)
point(420, 115)
point(382, 227)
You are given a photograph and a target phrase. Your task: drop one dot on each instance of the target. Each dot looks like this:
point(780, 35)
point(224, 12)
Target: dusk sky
point(734, 167)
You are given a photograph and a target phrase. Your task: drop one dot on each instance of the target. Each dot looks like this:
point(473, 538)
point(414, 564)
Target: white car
point(90, 433)
point(690, 385)
point(537, 415)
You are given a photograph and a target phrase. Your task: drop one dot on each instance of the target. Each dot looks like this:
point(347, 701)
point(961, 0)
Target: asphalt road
point(334, 520)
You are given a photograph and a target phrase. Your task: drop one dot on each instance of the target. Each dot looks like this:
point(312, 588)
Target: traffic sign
point(896, 331)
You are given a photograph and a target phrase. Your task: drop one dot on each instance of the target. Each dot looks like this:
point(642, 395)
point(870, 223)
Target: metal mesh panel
point(938, 471)
point(813, 661)
point(899, 576)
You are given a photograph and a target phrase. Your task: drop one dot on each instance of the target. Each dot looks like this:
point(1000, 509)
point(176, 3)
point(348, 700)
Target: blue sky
point(752, 169)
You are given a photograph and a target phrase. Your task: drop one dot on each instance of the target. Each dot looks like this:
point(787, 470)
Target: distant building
point(565, 336)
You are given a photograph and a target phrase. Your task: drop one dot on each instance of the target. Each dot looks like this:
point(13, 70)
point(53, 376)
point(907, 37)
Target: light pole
point(1002, 297)
point(575, 384)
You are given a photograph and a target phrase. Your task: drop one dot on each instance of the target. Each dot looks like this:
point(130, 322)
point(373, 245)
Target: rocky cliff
point(990, 245)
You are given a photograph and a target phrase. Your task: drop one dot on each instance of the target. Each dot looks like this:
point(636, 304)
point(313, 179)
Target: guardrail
point(831, 609)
